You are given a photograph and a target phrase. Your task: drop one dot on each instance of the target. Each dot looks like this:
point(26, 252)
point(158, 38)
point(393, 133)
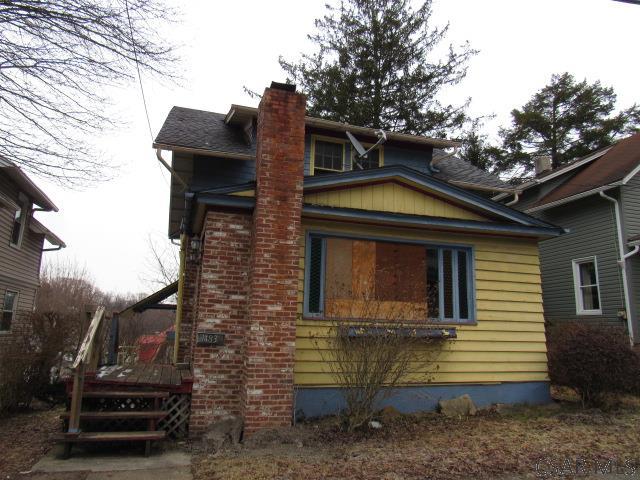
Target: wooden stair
point(86, 416)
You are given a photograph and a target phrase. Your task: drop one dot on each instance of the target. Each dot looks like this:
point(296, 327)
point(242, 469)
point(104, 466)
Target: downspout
point(516, 199)
point(622, 262)
point(184, 230)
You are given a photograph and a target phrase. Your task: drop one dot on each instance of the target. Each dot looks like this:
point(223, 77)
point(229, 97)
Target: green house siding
point(593, 232)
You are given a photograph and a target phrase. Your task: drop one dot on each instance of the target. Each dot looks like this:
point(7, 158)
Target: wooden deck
point(144, 375)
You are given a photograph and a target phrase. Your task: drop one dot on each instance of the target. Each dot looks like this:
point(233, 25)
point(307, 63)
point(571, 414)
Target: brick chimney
point(273, 270)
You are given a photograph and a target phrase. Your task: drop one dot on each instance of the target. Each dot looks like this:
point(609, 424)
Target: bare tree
point(162, 264)
point(57, 58)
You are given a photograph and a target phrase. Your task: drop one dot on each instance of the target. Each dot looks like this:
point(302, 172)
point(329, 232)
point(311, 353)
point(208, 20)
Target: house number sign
point(208, 339)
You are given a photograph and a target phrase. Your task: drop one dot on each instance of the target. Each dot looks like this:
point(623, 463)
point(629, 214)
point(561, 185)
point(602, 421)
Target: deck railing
point(87, 359)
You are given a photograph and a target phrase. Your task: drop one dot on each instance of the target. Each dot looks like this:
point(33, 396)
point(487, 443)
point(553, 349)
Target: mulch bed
point(24, 439)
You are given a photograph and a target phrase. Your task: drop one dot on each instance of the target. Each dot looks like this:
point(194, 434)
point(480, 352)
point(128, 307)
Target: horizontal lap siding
point(508, 342)
point(17, 265)
point(592, 232)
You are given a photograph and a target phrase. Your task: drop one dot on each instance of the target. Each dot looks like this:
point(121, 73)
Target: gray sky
point(225, 45)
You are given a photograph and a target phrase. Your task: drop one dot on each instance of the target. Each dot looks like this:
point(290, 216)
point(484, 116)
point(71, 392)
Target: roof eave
point(52, 238)
point(421, 221)
point(537, 181)
point(573, 198)
point(238, 115)
point(202, 151)
point(30, 188)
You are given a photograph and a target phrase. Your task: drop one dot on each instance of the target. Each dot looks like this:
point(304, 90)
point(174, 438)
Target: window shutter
point(315, 276)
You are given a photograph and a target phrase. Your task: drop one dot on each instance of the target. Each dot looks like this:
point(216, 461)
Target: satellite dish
point(362, 153)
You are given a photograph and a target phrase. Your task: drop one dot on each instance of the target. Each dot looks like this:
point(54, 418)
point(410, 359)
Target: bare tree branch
point(57, 58)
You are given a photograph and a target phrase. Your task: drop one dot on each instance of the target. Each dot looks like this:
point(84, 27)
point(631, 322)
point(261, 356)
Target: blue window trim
point(440, 246)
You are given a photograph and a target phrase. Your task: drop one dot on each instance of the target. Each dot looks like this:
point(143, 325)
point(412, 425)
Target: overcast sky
point(225, 45)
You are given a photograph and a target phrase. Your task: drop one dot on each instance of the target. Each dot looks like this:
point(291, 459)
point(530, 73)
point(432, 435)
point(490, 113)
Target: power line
point(135, 56)
point(144, 98)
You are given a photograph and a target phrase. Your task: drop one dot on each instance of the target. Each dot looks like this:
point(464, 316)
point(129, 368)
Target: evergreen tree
point(374, 67)
point(478, 151)
point(565, 120)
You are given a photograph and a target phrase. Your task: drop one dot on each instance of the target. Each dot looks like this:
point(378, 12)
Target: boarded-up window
point(387, 280)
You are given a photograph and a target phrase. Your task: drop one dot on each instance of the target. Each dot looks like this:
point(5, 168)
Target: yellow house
point(287, 228)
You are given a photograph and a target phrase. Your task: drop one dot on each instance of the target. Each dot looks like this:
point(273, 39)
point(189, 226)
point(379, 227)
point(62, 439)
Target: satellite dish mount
point(361, 152)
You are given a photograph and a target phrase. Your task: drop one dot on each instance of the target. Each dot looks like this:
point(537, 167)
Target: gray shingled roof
point(454, 168)
point(186, 127)
point(198, 129)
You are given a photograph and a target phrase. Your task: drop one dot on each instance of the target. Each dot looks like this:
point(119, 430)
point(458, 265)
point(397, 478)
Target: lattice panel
point(176, 423)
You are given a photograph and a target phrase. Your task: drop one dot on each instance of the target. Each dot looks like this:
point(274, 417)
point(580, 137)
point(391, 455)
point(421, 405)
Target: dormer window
point(327, 155)
point(19, 224)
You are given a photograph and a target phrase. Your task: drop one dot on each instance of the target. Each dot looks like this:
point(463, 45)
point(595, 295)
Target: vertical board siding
point(506, 344)
point(391, 197)
point(593, 232)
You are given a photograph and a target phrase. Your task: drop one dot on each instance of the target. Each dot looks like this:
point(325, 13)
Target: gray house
point(22, 241)
point(591, 274)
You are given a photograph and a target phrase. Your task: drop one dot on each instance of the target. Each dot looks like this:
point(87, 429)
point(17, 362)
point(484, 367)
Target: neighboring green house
point(591, 274)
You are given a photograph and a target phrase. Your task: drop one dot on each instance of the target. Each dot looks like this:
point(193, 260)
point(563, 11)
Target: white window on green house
point(586, 286)
point(328, 157)
point(9, 307)
point(351, 278)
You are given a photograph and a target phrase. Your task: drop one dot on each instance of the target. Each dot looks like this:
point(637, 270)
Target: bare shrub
point(372, 350)
point(593, 360)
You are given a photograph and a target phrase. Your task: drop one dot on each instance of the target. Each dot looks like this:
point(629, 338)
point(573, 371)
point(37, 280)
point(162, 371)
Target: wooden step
point(110, 436)
point(123, 394)
point(126, 414)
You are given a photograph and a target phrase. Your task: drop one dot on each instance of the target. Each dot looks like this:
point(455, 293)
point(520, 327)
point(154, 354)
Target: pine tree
point(565, 120)
point(374, 67)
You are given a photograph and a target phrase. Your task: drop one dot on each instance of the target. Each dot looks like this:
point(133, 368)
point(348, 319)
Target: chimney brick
point(273, 277)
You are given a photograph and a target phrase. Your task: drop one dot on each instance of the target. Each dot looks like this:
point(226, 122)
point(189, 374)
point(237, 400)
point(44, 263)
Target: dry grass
point(430, 446)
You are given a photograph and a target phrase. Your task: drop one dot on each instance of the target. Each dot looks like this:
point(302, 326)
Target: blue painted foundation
point(318, 402)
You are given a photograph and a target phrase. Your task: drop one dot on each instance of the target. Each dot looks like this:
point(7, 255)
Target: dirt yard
point(24, 438)
point(547, 442)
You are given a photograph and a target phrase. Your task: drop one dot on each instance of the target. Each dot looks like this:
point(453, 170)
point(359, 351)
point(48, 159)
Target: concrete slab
point(179, 473)
point(113, 461)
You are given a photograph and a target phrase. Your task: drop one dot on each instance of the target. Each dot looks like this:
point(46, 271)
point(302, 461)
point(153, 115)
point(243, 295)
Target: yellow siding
point(506, 344)
point(391, 197)
point(245, 193)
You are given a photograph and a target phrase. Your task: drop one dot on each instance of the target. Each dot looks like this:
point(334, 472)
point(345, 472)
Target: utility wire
point(135, 56)
point(144, 98)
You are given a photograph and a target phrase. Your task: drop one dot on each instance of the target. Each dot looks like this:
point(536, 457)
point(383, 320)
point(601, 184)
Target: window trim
point(380, 148)
point(24, 206)
point(575, 266)
point(471, 294)
point(13, 312)
point(312, 153)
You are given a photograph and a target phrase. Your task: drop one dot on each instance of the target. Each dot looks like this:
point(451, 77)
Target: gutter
point(622, 263)
point(577, 196)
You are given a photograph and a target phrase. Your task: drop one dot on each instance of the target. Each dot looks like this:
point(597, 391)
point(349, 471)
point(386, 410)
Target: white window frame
point(577, 287)
point(16, 299)
point(24, 208)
